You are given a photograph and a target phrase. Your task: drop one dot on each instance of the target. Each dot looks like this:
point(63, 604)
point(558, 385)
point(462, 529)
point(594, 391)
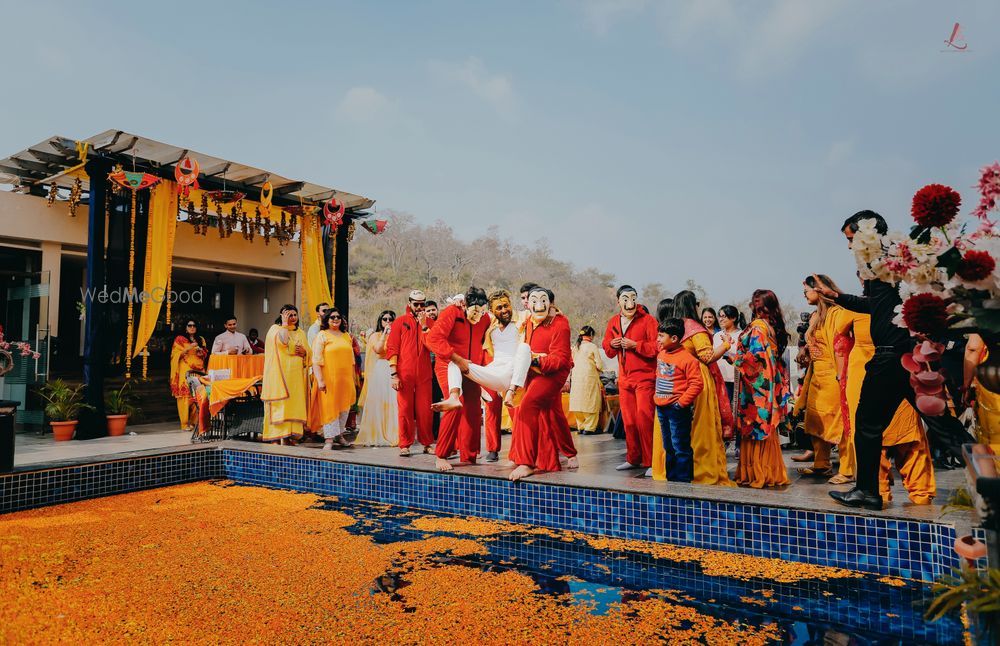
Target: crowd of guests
point(689, 381)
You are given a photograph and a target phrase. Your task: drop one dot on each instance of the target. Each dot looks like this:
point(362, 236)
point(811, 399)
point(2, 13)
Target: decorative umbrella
point(186, 173)
point(333, 211)
point(134, 181)
point(375, 227)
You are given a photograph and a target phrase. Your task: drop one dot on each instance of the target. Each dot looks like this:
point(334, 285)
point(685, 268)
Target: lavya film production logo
point(956, 42)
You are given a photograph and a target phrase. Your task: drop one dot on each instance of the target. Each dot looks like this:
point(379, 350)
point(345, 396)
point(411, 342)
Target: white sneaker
point(625, 466)
point(649, 473)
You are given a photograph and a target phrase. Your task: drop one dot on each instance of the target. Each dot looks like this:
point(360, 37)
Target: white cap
point(417, 295)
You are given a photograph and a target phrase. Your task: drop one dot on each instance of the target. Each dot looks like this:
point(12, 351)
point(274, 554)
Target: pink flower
point(989, 190)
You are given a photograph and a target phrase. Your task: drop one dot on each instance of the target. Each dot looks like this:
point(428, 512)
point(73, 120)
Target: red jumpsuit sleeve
point(647, 345)
point(695, 384)
point(559, 356)
point(436, 339)
point(392, 345)
point(608, 336)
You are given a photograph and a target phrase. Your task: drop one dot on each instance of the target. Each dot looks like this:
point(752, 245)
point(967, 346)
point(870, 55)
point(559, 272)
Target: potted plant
point(63, 407)
point(119, 405)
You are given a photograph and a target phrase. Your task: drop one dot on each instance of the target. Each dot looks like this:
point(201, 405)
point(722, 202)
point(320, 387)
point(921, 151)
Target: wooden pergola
point(54, 164)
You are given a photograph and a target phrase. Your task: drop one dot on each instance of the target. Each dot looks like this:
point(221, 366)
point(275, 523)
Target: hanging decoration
point(333, 211)
point(350, 231)
point(134, 181)
point(53, 192)
point(225, 197)
point(374, 227)
point(75, 194)
point(266, 195)
point(186, 173)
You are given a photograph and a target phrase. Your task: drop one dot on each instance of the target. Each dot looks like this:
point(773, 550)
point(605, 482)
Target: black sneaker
point(492, 456)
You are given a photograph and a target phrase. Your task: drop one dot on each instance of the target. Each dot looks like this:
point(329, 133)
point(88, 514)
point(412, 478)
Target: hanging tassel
point(131, 288)
point(305, 301)
point(145, 362)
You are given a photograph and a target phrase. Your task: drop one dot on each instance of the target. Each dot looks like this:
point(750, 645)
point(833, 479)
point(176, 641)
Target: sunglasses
point(335, 316)
point(191, 325)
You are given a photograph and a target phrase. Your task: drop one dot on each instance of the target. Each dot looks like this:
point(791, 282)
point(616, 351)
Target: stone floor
point(598, 455)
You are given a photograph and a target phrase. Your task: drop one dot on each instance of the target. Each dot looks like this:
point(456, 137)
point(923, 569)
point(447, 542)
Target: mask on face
point(538, 305)
point(474, 312)
point(627, 303)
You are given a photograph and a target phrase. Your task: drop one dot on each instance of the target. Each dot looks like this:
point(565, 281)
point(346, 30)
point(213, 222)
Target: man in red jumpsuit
point(410, 370)
point(457, 336)
point(538, 436)
point(631, 336)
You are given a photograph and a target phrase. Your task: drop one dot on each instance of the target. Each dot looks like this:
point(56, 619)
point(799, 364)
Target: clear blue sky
point(721, 141)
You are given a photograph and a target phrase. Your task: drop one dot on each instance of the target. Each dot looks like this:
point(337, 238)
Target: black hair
point(623, 289)
point(475, 296)
point(715, 316)
point(322, 305)
point(287, 307)
point(379, 326)
point(252, 330)
point(686, 305)
point(527, 287)
point(324, 322)
point(586, 330)
point(734, 315)
point(672, 327)
point(856, 219)
point(430, 303)
point(548, 292)
point(664, 309)
point(231, 317)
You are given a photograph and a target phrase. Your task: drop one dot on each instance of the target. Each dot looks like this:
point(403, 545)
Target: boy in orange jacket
point(678, 383)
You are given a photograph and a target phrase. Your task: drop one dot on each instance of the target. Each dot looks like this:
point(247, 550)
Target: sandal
point(404, 453)
point(810, 472)
point(840, 479)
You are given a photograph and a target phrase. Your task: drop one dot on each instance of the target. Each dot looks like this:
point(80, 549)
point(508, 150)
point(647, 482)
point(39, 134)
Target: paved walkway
point(598, 456)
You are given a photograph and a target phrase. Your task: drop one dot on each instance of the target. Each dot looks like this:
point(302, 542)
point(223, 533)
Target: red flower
point(935, 205)
point(926, 314)
point(976, 266)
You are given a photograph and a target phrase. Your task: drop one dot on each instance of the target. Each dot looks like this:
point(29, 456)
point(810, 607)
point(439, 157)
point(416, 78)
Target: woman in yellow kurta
point(336, 388)
point(987, 402)
point(585, 393)
point(820, 396)
point(906, 443)
point(380, 413)
point(284, 391)
point(707, 447)
point(188, 353)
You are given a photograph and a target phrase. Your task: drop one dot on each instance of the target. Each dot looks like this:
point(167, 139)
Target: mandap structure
point(138, 193)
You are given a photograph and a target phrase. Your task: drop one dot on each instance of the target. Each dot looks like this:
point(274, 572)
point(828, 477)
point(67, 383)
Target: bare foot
point(405, 452)
point(523, 471)
point(442, 465)
point(452, 403)
point(328, 445)
point(572, 463)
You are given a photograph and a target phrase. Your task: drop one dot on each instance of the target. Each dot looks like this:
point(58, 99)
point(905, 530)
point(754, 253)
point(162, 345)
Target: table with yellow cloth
point(239, 365)
point(218, 395)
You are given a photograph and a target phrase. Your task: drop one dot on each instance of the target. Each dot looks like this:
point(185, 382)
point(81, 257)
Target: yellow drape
point(160, 237)
point(315, 282)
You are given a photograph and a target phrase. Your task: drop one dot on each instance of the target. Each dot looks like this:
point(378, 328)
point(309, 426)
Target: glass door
point(26, 320)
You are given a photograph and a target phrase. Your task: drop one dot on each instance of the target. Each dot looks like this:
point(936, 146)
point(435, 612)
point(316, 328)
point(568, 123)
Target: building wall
point(27, 219)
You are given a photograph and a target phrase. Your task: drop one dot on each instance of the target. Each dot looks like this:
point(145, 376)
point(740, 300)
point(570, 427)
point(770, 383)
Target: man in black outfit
point(886, 383)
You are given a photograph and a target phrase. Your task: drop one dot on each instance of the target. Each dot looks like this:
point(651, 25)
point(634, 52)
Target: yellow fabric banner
point(315, 282)
point(159, 258)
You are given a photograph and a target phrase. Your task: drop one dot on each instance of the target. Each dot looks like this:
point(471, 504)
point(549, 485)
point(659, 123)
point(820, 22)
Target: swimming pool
point(233, 562)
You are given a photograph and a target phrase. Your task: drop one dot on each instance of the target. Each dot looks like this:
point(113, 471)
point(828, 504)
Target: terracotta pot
point(117, 424)
point(62, 431)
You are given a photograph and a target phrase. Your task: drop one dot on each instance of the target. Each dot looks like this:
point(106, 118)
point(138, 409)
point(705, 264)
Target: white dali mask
point(627, 303)
point(538, 305)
